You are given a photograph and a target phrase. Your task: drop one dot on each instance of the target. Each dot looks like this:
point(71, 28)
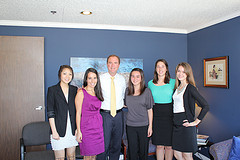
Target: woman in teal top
point(162, 87)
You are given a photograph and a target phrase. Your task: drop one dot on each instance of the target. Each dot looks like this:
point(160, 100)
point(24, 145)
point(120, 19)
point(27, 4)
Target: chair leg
point(22, 149)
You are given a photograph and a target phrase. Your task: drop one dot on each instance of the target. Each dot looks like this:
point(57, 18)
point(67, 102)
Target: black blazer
point(57, 108)
point(190, 96)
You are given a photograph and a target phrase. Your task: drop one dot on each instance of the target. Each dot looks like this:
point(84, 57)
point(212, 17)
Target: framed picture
point(81, 64)
point(216, 72)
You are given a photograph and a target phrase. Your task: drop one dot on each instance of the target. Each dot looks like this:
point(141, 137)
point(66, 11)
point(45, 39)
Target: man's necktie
point(113, 98)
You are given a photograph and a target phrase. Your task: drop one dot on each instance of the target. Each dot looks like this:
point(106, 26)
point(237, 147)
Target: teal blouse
point(162, 94)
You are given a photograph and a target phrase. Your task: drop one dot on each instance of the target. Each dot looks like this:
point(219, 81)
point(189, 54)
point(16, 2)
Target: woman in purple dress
point(88, 119)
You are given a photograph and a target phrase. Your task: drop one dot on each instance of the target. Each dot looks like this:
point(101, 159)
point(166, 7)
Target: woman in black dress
point(162, 87)
point(184, 142)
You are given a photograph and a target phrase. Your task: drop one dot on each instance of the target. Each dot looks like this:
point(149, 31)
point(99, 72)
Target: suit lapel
point(60, 92)
point(70, 94)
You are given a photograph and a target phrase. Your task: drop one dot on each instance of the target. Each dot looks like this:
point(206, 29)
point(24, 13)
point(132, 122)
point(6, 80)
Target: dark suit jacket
point(191, 95)
point(57, 108)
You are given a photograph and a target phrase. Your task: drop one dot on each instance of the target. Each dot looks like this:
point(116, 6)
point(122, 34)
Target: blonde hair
point(188, 71)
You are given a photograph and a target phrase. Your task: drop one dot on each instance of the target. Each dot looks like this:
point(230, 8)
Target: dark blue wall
point(223, 39)
point(61, 44)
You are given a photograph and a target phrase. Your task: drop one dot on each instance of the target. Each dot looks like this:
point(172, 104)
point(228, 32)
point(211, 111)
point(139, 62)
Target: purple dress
point(91, 126)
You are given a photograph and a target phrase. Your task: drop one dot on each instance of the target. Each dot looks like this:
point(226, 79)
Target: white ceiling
point(176, 16)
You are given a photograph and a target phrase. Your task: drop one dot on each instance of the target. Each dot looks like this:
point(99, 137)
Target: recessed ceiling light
point(86, 12)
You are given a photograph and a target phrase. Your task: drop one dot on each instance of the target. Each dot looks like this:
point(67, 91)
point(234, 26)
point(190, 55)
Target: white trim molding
point(89, 26)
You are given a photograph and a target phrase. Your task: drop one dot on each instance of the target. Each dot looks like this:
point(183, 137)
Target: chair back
point(36, 133)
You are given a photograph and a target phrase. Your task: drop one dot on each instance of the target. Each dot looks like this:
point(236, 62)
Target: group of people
point(92, 116)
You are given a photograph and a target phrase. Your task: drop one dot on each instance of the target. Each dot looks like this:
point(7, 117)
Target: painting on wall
point(80, 65)
point(216, 72)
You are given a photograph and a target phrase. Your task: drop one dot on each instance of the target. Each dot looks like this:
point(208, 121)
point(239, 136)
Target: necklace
point(180, 89)
point(89, 90)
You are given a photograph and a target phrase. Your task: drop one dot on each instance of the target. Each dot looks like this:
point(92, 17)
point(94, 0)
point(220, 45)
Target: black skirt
point(184, 138)
point(162, 124)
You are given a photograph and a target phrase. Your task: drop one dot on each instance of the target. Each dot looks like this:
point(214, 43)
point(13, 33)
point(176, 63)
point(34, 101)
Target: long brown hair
point(167, 74)
point(142, 83)
point(97, 88)
point(188, 71)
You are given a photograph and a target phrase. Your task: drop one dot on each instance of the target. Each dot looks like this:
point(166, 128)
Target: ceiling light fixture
point(86, 12)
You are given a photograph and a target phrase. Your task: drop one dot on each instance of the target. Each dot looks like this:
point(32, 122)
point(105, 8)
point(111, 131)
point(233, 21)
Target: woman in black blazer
point(62, 114)
point(184, 140)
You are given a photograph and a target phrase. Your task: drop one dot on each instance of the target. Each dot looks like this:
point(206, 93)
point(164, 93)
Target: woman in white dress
point(62, 114)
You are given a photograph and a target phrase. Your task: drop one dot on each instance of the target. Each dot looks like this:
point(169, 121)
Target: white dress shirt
point(120, 87)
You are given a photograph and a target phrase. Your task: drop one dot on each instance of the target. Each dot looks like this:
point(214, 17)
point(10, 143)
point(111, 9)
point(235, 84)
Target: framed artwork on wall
point(216, 72)
point(81, 64)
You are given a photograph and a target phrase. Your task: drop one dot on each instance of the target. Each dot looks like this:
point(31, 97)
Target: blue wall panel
point(222, 122)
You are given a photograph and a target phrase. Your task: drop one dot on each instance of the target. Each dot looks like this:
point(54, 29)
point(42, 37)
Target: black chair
point(35, 134)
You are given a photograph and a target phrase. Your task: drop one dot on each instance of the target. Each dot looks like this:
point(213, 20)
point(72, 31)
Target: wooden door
point(21, 89)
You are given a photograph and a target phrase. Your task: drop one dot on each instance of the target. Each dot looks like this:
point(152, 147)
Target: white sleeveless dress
point(68, 140)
